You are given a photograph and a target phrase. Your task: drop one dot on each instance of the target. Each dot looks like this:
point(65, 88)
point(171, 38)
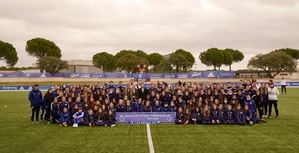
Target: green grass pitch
point(19, 135)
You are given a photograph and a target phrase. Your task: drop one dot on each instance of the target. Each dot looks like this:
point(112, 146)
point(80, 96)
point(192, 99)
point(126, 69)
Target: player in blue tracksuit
point(258, 100)
point(248, 115)
point(90, 118)
point(63, 104)
point(55, 111)
point(240, 115)
point(229, 115)
point(221, 113)
point(172, 107)
point(47, 104)
point(78, 117)
point(134, 104)
point(157, 107)
point(251, 104)
point(140, 107)
point(128, 107)
point(110, 119)
point(121, 106)
point(165, 107)
point(147, 107)
point(187, 116)
point(36, 99)
point(264, 92)
point(206, 115)
point(215, 115)
point(65, 117)
point(100, 118)
point(196, 116)
point(179, 119)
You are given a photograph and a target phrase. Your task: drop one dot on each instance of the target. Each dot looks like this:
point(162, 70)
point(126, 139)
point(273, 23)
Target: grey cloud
point(82, 28)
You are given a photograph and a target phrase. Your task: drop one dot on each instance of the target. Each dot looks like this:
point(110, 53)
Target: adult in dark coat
point(142, 92)
point(36, 99)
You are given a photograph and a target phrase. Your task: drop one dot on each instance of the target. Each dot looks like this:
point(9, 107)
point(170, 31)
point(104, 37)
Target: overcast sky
point(82, 28)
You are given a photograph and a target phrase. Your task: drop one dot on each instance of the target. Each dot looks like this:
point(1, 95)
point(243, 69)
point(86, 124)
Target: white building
point(294, 76)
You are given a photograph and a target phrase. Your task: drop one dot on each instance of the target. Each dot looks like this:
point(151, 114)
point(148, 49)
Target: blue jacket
point(240, 117)
point(35, 98)
point(65, 117)
point(134, 105)
point(120, 108)
point(64, 104)
point(157, 108)
point(230, 117)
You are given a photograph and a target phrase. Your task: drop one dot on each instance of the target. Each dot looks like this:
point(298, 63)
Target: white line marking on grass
point(149, 139)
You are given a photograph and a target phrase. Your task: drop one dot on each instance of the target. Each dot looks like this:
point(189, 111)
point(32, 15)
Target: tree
point(51, 64)
point(40, 47)
point(164, 65)
point(228, 57)
point(178, 61)
point(232, 56)
point(189, 57)
point(142, 54)
point(104, 60)
point(155, 59)
point(8, 53)
point(123, 53)
point(294, 53)
point(130, 62)
point(273, 63)
point(212, 57)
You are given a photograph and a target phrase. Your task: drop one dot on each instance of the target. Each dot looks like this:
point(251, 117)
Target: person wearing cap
point(36, 99)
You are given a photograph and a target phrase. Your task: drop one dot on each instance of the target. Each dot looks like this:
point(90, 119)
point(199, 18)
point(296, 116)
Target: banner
point(205, 74)
point(145, 117)
point(22, 88)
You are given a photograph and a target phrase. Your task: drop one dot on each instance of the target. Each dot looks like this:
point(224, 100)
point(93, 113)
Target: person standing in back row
point(283, 84)
point(35, 98)
point(272, 99)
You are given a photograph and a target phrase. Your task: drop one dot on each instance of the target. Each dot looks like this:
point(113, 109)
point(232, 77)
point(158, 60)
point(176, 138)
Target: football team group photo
point(149, 76)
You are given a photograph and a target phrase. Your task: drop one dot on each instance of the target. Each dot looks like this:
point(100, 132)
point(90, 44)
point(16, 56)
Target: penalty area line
point(149, 139)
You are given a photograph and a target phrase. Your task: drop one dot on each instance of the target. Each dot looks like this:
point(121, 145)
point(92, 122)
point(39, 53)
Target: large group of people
point(244, 102)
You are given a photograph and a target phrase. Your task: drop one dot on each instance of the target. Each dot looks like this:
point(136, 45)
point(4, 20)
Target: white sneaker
point(74, 125)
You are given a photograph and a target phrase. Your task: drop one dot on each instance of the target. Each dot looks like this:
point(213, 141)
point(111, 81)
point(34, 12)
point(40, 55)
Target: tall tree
point(164, 65)
point(130, 62)
point(232, 56)
point(178, 61)
point(188, 55)
point(51, 64)
point(155, 59)
point(142, 54)
point(105, 61)
point(212, 57)
point(292, 52)
point(123, 53)
point(273, 63)
point(8, 53)
point(40, 47)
